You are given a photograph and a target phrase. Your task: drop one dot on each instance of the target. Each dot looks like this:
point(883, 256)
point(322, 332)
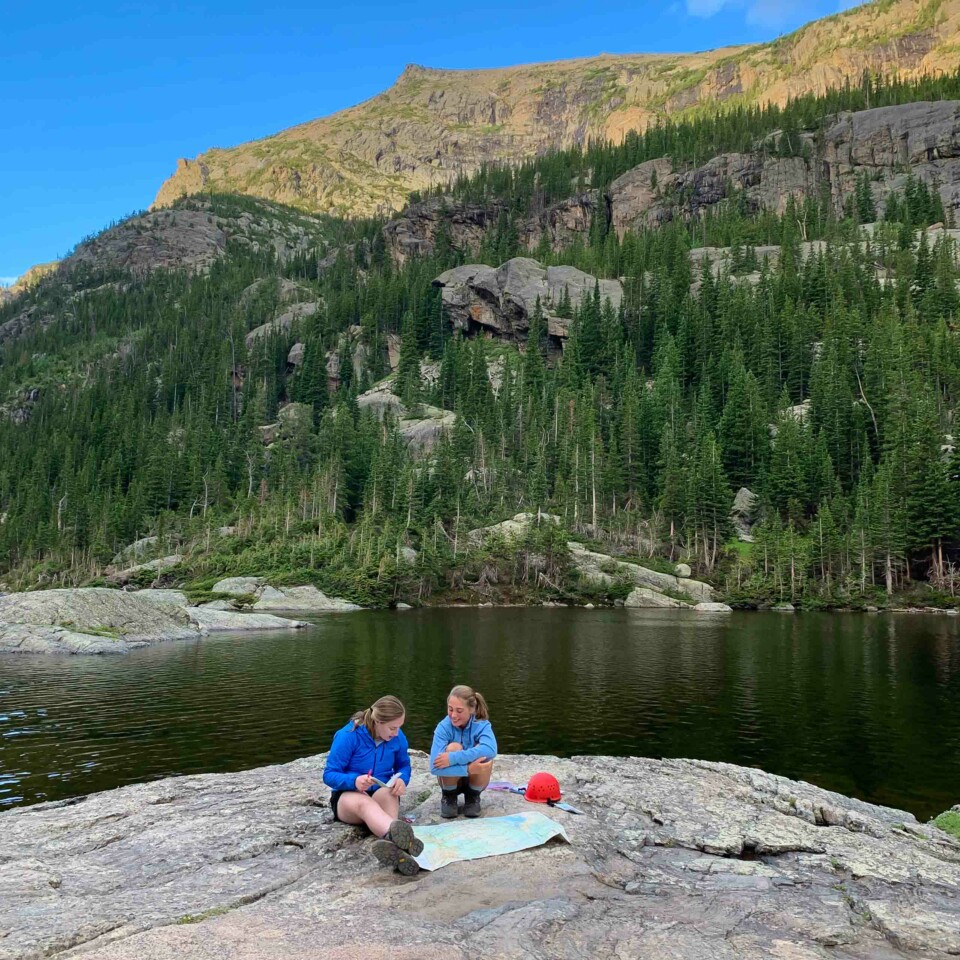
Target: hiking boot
point(401, 833)
point(471, 803)
point(390, 855)
point(448, 804)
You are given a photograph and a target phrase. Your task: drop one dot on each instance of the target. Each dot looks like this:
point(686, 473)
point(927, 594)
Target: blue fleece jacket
point(477, 739)
point(354, 752)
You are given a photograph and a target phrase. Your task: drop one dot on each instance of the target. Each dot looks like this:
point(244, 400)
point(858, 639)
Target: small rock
point(403, 606)
point(682, 570)
point(713, 608)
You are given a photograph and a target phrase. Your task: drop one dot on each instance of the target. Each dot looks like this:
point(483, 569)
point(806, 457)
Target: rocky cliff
point(673, 858)
point(434, 125)
point(883, 146)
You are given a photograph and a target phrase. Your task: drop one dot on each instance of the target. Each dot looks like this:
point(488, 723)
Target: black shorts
point(335, 796)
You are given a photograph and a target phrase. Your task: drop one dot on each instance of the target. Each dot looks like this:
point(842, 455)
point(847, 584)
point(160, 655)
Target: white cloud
point(8, 281)
point(768, 13)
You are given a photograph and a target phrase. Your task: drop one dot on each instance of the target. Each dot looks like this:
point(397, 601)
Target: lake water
point(866, 705)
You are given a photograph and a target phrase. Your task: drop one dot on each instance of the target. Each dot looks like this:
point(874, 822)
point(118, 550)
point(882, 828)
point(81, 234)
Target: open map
point(485, 837)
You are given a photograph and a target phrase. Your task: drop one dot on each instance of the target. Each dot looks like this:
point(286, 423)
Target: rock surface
point(502, 300)
point(98, 621)
point(306, 598)
point(603, 569)
point(421, 425)
point(676, 858)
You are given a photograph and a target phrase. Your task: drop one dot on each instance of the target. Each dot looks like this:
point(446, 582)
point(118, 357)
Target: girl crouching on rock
point(372, 747)
point(463, 750)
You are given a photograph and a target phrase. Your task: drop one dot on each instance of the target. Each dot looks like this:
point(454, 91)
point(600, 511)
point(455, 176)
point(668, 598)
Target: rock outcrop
point(502, 300)
point(420, 425)
point(678, 858)
point(604, 570)
point(885, 145)
point(434, 126)
point(100, 621)
point(304, 599)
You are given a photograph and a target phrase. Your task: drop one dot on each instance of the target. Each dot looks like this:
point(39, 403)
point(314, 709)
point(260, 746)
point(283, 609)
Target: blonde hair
point(473, 699)
point(383, 711)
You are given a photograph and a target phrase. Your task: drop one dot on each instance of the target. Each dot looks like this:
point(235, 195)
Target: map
point(448, 843)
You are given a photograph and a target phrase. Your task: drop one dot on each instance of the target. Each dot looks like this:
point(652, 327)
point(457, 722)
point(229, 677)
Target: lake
point(865, 705)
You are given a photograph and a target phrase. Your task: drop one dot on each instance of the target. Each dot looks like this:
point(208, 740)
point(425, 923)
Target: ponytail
point(473, 699)
point(383, 711)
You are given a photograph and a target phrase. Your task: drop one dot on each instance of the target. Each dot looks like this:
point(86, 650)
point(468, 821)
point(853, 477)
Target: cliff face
point(434, 125)
point(885, 146)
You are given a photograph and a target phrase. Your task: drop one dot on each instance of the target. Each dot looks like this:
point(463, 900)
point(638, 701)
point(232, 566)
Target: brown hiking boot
point(401, 833)
point(390, 855)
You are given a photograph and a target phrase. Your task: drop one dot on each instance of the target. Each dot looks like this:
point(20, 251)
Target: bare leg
point(387, 802)
point(359, 808)
point(480, 772)
point(452, 781)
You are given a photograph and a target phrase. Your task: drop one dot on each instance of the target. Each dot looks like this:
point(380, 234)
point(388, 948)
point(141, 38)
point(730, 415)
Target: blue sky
point(99, 99)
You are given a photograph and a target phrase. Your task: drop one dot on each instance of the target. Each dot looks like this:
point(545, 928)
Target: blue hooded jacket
point(354, 752)
point(477, 739)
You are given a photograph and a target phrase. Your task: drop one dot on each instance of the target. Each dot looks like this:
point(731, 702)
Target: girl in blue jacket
point(372, 747)
point(463, 750)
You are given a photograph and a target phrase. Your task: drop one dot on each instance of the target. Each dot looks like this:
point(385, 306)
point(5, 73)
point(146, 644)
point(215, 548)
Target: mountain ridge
point(434, 125)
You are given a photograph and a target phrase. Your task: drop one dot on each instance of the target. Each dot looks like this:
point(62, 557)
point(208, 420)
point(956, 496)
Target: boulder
point(98, 621)
point(281, 324)
point(674, 858)
point(478, 298)
point(239, 586)
point(744, 514)
point(421, 426)
point(128, 617)
point(152, 566)
point(136, 550)
point(645, 597)
point(713, 608)
point(512, 529)
point(307, 598)
point(408, 556)
point(218, 620)
point(682, 570)
point(295, 356)
point(604, 570)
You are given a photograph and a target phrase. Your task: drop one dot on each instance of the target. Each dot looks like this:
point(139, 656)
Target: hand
point(478, 766)
point(398, 788)
point(363, 783)
point(442, 761)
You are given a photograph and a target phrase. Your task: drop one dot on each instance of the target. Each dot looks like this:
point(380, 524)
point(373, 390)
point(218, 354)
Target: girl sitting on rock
point(372, 747)
point(463, 751)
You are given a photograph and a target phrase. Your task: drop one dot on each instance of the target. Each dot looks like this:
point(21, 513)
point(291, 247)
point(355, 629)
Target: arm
point(440, 741)
point(401, 762)
point(486, 747)
point(336, 773)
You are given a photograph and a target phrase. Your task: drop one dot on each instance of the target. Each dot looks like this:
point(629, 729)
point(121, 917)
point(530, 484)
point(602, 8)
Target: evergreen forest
point(825, 381)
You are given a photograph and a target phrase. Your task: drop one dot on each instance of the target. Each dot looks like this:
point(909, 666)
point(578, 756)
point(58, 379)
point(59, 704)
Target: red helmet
point(543, 788)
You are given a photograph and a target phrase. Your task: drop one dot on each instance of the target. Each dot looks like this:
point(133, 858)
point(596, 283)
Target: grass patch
point(949, 822)
point(206, 915)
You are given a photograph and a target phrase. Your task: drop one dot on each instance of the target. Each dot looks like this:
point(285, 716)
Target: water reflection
point(866, 705)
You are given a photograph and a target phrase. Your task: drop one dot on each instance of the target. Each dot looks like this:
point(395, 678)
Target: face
point(458, 712)
point(389, 728)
